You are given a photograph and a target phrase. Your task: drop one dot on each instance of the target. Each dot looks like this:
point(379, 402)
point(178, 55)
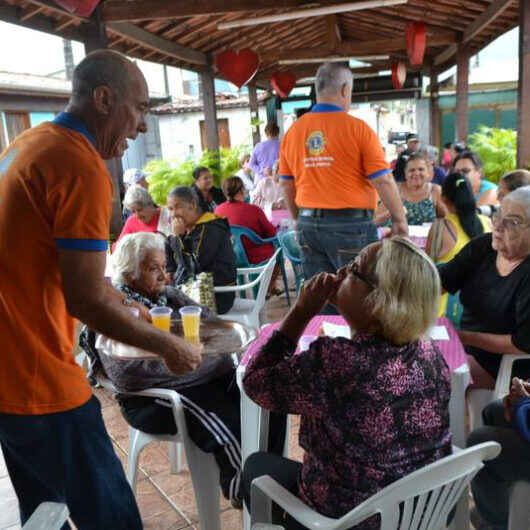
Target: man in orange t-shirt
point(332, 168)
point(55, 204)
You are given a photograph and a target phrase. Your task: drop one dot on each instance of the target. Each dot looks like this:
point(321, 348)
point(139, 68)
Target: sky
point(497, 62)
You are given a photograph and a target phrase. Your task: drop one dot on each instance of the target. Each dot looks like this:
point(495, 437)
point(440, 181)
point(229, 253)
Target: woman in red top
point(146, 215)
point(239, 212)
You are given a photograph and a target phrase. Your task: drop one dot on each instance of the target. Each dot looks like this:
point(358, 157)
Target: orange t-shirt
point(332, 157)
point(55, 193)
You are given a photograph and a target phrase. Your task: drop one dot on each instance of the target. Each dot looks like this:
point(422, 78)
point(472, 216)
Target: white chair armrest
point(49, 515)
point(265, 489)
point(258, 269)
point(160, 393)
point(235, 288)
point(503, 382)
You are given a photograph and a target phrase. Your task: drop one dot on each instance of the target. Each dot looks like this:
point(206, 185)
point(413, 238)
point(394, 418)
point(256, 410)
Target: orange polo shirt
point(332, 157)
point(55, 193)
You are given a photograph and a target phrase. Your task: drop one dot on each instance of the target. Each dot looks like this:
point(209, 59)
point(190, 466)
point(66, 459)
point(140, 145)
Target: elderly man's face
point(511, 231)
point(126, 117)
point(152, 275)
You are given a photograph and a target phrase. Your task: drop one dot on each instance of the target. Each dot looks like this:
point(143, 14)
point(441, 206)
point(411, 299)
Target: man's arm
point(93, 301)
point(289, 194)
point(490, 342)
point(388, 192)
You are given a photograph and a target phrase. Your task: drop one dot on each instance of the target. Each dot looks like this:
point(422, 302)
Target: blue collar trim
point(326, 107)
point(65, 119)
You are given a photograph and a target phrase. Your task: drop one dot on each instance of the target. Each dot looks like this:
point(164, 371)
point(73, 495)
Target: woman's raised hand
point(316, 292)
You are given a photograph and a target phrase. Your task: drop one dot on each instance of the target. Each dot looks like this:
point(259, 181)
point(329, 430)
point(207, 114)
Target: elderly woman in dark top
point(373, 408)
point(202, 241)
point(209, 394)
point(492, 273)
point(209, 196)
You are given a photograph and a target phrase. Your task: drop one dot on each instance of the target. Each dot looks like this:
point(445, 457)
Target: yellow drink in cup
point(161, 317)
point(191, 320)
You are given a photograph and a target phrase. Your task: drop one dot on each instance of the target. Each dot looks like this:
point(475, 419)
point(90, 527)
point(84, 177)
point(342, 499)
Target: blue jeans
point(328, 243)
point(68, 457)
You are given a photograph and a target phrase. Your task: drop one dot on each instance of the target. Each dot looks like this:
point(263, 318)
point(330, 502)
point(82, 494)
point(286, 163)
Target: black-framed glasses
point(353, 268)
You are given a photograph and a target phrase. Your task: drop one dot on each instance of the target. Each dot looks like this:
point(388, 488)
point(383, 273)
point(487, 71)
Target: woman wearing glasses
point(373, 408)
point(470, 165)
point(492, 273)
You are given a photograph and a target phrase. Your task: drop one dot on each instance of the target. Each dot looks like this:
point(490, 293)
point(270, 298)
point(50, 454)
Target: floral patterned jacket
point(371, 412)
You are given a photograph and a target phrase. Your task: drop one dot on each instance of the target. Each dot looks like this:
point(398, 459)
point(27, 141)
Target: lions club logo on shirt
point(316, 143)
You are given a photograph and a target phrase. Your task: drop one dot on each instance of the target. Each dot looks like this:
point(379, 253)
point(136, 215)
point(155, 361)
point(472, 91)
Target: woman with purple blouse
point(265, 153)
point(374, 408)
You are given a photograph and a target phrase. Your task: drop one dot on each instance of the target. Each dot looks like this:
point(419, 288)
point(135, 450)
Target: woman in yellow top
point(449, 235)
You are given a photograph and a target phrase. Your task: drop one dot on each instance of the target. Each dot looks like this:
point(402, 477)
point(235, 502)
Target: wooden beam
point(64, 24)
point(352, 48)
point(495, 9)
point(523, 108)
point(254, 111)
point(38, 23)
point(51, 6)
point(333, 32)
point(121, 10)
point(462, 88)
point(210, 110)
point(435, 110)
point(151, 41)
point(31, 13)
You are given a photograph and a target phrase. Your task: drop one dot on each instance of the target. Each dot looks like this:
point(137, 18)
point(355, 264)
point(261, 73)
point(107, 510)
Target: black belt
point(343, 212)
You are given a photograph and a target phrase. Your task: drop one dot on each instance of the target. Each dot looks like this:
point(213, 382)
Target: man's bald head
point(103, 68)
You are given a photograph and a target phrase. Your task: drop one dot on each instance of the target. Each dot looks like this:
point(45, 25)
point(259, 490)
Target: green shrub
point(498, 150)
point(163, 175)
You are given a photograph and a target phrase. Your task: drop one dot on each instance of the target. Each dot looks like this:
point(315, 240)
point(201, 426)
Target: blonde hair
point(406, 299)
point(130, 252)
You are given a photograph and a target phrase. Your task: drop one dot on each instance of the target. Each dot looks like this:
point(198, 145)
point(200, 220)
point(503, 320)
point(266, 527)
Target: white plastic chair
point(203, 467)
point(248, 311)
point(480, 397)
point(426, 496)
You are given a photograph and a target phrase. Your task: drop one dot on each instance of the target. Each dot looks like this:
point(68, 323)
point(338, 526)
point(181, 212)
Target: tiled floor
point(166, 501)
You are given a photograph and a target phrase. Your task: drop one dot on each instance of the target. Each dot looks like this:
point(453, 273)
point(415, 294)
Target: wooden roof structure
point(185, 34)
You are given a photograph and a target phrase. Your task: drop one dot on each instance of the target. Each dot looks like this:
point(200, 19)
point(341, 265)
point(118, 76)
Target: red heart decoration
point(282, 83)
point(416, 38)
point(83, 8)
point(399, 74)
point(238, 67)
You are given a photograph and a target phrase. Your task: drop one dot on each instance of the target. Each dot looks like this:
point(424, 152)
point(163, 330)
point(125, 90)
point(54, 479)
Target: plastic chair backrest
point(421, 500)
point(241, 231)
point(290, 246)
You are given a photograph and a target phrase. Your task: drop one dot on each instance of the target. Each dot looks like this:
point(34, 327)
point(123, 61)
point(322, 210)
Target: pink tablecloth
point(278, 216)
point(451, 349)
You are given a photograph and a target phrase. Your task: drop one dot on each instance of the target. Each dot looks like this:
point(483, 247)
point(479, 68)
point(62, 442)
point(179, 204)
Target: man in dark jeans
point(332, 168)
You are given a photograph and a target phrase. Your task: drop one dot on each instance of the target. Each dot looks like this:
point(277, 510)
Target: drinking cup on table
point(161, 317)
point(305, 341)
point(191, 319)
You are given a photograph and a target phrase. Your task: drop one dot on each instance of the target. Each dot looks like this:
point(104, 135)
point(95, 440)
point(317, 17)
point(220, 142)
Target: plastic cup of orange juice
point(161, 317)
point(191, 320)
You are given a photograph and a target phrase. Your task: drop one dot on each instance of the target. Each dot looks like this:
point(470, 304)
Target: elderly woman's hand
point(315, 293)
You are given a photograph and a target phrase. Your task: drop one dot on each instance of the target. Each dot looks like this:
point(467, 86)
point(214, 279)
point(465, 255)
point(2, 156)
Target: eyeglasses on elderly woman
point(512, 225)
point(353, 268)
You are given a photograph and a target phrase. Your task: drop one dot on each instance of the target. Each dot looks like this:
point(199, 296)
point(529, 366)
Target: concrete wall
point(180, 131)
point(146, 147)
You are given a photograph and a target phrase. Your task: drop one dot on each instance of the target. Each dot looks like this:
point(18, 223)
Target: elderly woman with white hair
point(146, 215)
point(492, 273)
point(210, 395)
point(373, 408)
